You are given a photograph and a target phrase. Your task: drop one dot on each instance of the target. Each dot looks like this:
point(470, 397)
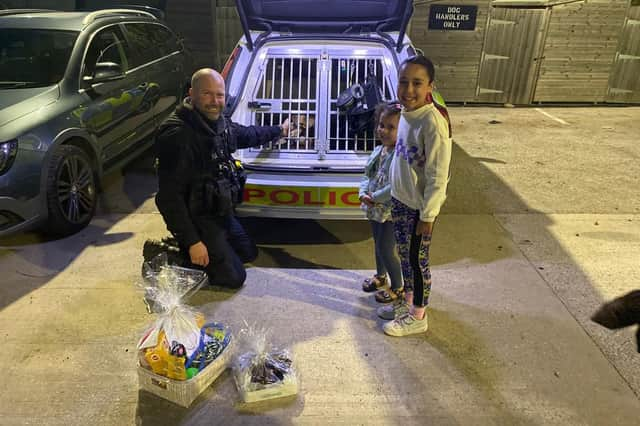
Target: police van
point(298, 60)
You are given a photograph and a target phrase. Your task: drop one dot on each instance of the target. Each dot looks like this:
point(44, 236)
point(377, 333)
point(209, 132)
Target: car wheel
point(71, 191)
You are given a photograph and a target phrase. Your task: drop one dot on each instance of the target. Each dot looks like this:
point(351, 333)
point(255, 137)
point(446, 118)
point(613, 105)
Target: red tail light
point(229, 64)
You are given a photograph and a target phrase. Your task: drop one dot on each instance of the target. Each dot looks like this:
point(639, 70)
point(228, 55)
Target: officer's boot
point(167, 245)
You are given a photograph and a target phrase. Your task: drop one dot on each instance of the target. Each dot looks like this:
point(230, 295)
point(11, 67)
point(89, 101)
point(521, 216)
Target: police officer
point(197, 183)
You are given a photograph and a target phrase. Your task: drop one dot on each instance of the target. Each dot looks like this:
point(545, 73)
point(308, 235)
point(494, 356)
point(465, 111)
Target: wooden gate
point(624, 83)
point(509, 63)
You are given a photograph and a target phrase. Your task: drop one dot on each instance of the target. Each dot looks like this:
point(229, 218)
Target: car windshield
point(33, 57)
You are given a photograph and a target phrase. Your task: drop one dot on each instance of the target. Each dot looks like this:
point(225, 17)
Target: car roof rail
point(7, 12)
point(91, 17)
point(158, 13)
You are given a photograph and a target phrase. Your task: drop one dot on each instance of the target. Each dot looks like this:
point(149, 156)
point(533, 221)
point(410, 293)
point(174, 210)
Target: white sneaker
point(393, 310)
point(405, 325)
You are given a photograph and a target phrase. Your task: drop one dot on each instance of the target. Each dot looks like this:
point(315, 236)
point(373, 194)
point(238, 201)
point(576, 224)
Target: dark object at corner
point(621, 312)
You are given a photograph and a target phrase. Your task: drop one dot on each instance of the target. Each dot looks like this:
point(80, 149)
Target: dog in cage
point(302, 131)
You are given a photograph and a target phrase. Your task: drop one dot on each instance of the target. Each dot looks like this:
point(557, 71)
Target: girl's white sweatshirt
point(420, 167)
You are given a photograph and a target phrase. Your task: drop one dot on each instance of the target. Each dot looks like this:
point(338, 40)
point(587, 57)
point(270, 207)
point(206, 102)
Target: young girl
point(419, 178)
point(375, 196)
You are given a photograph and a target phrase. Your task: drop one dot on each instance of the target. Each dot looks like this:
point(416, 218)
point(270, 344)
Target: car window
point(108, 45)
point(151, 41)
point(32, 57)
point(164, 38)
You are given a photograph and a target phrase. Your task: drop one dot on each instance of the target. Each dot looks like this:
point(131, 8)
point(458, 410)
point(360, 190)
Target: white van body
point(293, 63)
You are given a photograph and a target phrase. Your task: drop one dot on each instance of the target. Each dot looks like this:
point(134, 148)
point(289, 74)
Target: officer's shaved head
point(205, 74)
point(207, 92)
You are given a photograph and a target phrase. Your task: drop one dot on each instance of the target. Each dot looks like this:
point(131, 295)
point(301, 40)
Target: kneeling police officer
point(199, 183)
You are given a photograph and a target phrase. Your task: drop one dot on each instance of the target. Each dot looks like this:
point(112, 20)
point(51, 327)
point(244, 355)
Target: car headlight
point(8, 151)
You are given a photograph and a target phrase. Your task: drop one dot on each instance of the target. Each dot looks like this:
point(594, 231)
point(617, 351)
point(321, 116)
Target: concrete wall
point(194, 21)
point(227, 30)
point(38, 4)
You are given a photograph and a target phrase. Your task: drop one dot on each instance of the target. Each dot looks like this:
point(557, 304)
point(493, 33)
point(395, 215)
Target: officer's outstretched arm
point(250, 136)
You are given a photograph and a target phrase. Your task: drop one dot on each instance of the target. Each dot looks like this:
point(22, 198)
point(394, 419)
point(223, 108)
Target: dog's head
point(302, 125)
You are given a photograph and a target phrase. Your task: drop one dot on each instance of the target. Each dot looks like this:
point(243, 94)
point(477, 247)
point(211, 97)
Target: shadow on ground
point(33, 258)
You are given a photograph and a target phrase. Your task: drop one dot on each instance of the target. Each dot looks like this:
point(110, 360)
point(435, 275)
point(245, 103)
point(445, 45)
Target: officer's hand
point(284, 129)
point(199, 254)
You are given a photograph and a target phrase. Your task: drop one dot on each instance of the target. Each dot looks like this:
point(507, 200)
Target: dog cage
point(299, 88)
point(289, 90)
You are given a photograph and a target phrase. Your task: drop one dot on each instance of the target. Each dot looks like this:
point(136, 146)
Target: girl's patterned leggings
point(413, 251)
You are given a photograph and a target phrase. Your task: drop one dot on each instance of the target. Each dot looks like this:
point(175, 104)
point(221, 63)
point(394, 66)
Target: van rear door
point(324, 16)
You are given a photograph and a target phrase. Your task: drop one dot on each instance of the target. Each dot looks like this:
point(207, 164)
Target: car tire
point(71, 191)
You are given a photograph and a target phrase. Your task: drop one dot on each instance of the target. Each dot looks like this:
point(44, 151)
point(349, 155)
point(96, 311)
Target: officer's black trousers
point(229, 247)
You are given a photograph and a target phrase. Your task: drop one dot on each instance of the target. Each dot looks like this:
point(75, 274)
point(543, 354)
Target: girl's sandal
point(388, 296)
point(374, 283)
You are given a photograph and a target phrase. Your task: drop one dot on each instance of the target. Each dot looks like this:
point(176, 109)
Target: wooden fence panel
point(581, 44)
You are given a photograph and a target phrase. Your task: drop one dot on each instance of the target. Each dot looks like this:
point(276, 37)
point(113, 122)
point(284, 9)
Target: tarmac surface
point(542, 226)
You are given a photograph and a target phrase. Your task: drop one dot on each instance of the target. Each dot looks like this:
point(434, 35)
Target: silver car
point(80, 92)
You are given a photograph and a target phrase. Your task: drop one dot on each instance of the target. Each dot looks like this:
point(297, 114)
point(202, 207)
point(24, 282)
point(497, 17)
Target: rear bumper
point(300, 213)
point(302, 196)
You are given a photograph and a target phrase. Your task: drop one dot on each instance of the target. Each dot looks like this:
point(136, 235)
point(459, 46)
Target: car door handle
point(259, 106)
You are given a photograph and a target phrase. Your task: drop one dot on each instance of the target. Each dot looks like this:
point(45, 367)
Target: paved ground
point(542, 226)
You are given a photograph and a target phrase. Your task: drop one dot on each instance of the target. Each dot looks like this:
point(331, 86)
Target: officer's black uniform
point(190, 149)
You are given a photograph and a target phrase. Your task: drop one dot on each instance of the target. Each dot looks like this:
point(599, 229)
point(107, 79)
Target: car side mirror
point(105, 71)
